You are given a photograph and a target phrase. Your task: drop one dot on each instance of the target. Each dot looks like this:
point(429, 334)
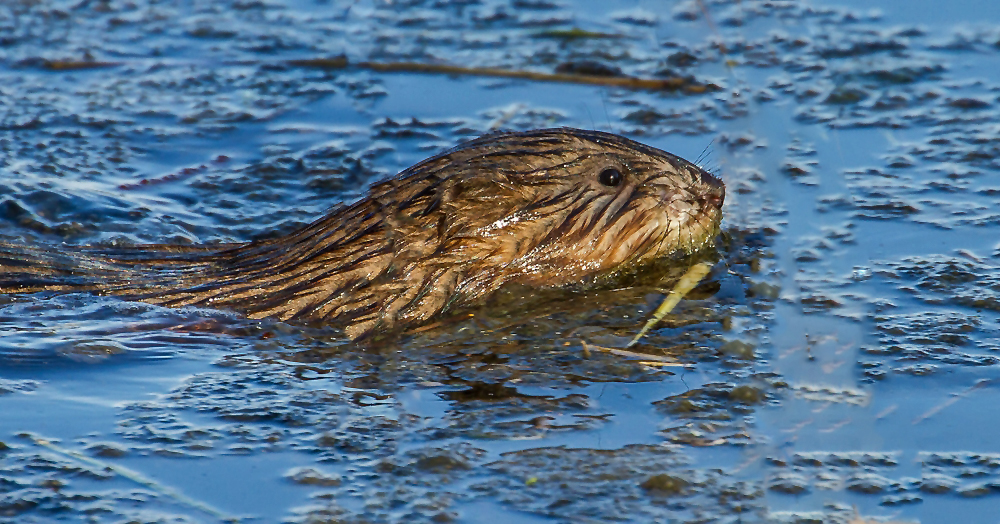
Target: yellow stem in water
point(684, 286)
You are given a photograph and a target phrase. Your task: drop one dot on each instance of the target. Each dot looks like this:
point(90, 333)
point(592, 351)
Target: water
point(839, 363)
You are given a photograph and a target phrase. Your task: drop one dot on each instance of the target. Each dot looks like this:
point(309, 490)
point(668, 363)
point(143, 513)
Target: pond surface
point(839, 364)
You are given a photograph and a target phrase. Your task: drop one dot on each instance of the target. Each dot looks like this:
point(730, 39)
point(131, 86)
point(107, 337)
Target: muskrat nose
point(711, 180)
point(715, 191)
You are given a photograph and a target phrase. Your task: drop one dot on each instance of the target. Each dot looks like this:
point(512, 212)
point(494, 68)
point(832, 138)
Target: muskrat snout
point(715, 192)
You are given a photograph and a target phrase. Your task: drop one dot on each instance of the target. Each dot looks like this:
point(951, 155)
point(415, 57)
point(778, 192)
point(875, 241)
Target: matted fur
point(522, 208)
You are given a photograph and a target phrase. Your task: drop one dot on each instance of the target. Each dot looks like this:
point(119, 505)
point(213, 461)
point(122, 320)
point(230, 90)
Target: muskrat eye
point(610, 177)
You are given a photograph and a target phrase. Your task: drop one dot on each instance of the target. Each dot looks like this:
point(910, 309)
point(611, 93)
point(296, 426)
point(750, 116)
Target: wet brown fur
point(523, 208)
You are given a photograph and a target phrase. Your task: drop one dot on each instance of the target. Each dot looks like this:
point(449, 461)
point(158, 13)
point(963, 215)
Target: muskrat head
point(548, 207)
point(554, 206)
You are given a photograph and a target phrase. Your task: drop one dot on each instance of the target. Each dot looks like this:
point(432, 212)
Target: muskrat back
point(548, 207)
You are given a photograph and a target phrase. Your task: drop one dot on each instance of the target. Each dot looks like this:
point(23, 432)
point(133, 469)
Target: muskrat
point(549, 207)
